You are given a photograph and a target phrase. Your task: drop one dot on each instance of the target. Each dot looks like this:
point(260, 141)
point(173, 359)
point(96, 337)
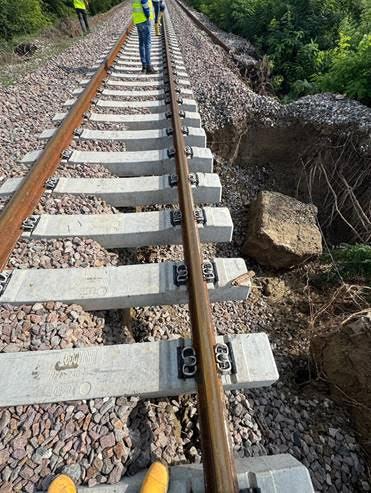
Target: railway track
point(164, 162)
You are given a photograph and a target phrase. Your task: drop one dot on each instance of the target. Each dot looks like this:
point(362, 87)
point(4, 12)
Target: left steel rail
point(29, 193)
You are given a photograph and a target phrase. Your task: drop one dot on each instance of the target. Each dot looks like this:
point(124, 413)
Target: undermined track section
point(163, 161)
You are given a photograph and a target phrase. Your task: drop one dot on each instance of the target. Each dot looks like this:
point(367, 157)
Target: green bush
point(20, 17)
point(353, 262)
point(97, 6)
point(350, 66)
point(58, 8)
point(304, 40)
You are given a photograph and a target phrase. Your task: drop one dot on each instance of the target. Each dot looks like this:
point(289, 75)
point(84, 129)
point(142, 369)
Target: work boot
point(156, 479)
point(144, 67)
point(62, 484)
point(157, 29)
point(151, 70)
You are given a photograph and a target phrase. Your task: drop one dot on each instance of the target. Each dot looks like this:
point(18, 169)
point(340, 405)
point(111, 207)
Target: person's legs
point(156, 8)
point(141, 36)
point(148, 46)
point(85, 17)
point(81, 19)
point(162, 10)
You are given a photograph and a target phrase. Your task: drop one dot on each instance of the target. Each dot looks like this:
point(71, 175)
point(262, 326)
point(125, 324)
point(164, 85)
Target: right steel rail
point(202, 26)
point(219, 468)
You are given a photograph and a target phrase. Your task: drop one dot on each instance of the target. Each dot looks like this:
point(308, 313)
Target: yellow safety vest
point(79, 4)
point(138, 13)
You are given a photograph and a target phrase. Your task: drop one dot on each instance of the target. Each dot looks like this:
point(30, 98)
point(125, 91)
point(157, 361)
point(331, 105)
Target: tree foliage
point(19, 17)
point(312, 44)
point(97, 6)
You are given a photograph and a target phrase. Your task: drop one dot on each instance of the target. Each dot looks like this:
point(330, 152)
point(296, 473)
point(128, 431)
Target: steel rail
point(219, 468)
point(26, 198)
point(202, 26)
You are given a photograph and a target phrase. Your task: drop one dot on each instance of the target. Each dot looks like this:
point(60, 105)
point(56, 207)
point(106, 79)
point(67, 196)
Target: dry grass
point(330, 166)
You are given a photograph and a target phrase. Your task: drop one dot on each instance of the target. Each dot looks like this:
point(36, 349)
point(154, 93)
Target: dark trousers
point(144, 35)
point(83, 18)
point(156, 8)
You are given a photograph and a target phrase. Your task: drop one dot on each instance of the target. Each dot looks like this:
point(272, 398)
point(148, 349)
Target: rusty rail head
point(204, 28)
point(219, 468)
point(26, 198)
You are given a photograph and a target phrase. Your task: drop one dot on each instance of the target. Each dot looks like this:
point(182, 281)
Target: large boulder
point(342, 357)
point(282, 232)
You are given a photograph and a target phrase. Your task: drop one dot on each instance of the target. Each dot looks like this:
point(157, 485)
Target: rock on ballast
point(282, 231)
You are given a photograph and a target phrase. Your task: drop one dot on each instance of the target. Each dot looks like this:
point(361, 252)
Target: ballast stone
point(282, 232)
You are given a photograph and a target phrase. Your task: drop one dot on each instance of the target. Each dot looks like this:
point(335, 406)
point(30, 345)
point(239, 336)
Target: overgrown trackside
point(21, 17)
point(312, 45)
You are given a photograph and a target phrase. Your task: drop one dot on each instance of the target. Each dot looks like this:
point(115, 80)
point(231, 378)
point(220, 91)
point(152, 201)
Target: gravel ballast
point(98, 441)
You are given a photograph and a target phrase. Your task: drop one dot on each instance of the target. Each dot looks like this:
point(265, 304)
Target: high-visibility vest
point(79, 4)
point(138, 13)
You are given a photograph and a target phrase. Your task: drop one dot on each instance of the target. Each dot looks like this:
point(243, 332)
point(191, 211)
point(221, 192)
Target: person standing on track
point(143, 15)
point(81, 7)
point(159, 7)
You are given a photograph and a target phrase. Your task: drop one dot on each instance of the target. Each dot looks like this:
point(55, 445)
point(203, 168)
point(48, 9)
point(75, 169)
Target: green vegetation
point(352, 262)
point(312, 45)
point(22, 17)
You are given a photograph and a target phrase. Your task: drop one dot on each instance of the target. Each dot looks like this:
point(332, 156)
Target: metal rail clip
point(180, 274)
point(171, 152)
point(200, 216)
point(176, 217)
point(187, 362)
point(223, 358)
point(78, 132)
point(209, 272)
point(51, 183)
point(4, 281)
point(193, 179)
point(173, 180)
point(189, 152)
point(167, 90)
point(67, 154)
point(30, 223)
